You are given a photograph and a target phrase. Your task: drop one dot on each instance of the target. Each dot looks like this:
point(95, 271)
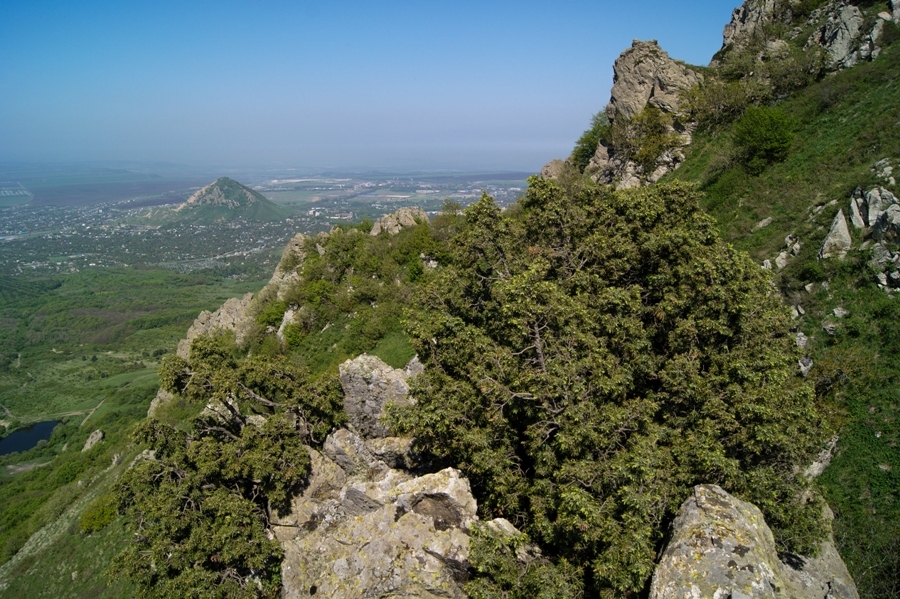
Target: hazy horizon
point(398, 86)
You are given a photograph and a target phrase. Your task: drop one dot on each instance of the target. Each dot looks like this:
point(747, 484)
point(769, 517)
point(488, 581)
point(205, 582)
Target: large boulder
point(287, 272)
point(362, 529)
point(369, 386)
point(401, 219)
point(842, 37)
point(233, 315)
point(94, 438)
point(721, 547)
point(553, 169)
point(645, 75)
point(838, 240)
point(745, 21)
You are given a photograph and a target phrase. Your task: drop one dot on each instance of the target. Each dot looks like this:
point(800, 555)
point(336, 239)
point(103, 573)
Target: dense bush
point(763, 136)
point(586, 145)
point(644, 137)
point(591, 359)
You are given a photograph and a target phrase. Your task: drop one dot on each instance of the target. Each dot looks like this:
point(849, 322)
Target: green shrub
point(763, 136)
point(586, 145)
point(271, 315)
point(99, 514)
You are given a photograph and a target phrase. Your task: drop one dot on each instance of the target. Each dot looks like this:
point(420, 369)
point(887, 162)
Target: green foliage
point(644, 137)
point(763, 136)
point(587, 143)
point(271, 314)
point(99, 514)
point(593, 358)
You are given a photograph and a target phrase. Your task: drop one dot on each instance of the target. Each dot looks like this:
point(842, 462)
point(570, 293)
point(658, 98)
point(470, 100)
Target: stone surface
point(162, 397)
point(878, 200)
point(401, 219)
point(287, 271)
point(745, 20)
point(394, 536)
point(721, 547)
point(838, 240)
point(839, 35)
point(553, 169)
point(94, 438)
point(806, 364)
point(233, 315)
point(823, 459)
point(369, 385)
point(887, 227)
point(645, 75)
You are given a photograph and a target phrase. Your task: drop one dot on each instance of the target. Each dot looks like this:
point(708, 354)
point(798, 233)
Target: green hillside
point(222, 200)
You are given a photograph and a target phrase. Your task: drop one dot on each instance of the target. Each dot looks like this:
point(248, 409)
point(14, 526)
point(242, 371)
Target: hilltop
point(222, 200)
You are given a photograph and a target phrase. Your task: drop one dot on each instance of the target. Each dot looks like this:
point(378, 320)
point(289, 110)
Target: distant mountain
point(223, 199)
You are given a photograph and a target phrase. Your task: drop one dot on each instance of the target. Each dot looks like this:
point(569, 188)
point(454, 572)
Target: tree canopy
point(591, 357)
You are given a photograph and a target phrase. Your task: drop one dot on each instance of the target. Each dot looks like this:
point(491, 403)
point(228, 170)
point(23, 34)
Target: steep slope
point(222, 200)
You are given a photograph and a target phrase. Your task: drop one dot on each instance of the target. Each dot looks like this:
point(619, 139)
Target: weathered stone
point(839, 36)
point(887, 227)
point(781, 260)
point(745, 20)
point(385, 539)
point(645, 75)
point(823, 459)
point(369, 385)
point(881, 255)
point(401, 219)
point(553, 169)
point(94, 438)
point(162, 397)
point(801, 340)
point(895, 10)
point(321, 492)
point(721, 547)
point(830, 328)
point(878, 200)
point(762, 224)
point(348, 451)
point(858, 212)
point(396, 452)
point(806, 364)
point(840, 312)
point(233, 315)
point(286, 320)
point(838, 240)
point(287, 272)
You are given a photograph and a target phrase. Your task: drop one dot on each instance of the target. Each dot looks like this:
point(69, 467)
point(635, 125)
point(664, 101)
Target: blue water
point(26, 438)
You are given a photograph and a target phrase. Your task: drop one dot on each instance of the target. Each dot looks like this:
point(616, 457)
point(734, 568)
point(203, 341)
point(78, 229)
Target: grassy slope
point(845, 124)
point(121, 318)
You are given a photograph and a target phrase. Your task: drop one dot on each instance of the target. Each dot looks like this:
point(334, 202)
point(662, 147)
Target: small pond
point(26, 438)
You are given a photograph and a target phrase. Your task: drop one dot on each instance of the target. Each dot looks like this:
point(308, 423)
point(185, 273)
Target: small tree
point(763, 136)
point(586, 145)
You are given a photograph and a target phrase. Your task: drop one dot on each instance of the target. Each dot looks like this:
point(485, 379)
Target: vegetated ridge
point(222, 200)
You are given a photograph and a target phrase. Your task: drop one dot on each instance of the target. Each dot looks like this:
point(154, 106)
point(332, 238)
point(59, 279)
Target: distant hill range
point(222, 200)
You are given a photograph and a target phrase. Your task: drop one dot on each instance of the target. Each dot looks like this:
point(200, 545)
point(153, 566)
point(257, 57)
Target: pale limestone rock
point(349, 451)
point(94, 438)
point(887, 227)
point(782, 260)
point(806, 364)
point(287, 319)
point(645, 75)
point(287, 272)
point(838, 240)
point(369, 385)
point(762, 224)
point(162, 397)
point(553, 169)
point(802, 340)
point(401, 219)
point(721, 547)
point(233, 315)
point(823, 459)
point(840, 312)
point(858, 212)
point(745, 20)
point(839, 36)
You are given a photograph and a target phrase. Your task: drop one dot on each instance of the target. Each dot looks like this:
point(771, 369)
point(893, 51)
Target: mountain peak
point(224, 192)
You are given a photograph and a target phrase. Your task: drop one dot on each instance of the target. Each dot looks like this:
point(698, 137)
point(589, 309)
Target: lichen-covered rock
point(401, 219)
point(94, 438)
point(645, 75)
point(839, 36)
point(721, 547)
point(838, 240)
point(553, 169)
point(233, 315)
point(394, 536)
point(369, 385)
point(745, 20)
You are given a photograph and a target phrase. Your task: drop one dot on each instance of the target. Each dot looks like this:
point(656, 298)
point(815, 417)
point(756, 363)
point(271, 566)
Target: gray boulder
point(745, 20)
point(233, 315)
point(878, 200)
point(369, 385)
point(838, 240)
point(887, 227)
point(94, 438)
point(839, 37)
point(721, 547)
point(401, 219)
point(553, 169)
point(645, 75)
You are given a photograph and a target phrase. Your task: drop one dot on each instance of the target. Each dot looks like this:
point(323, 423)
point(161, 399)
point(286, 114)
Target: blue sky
point(388, 84)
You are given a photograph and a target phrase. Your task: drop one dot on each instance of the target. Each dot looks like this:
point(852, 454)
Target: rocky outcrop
point(839, 37)
point(838, 240)
point(745, 21)
point(369, 386)
point(287, 272)
point(721, 547)
point(553, 169)
point(645, 75)
point(233, 315)
point(94, 438)
point(401, 219)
